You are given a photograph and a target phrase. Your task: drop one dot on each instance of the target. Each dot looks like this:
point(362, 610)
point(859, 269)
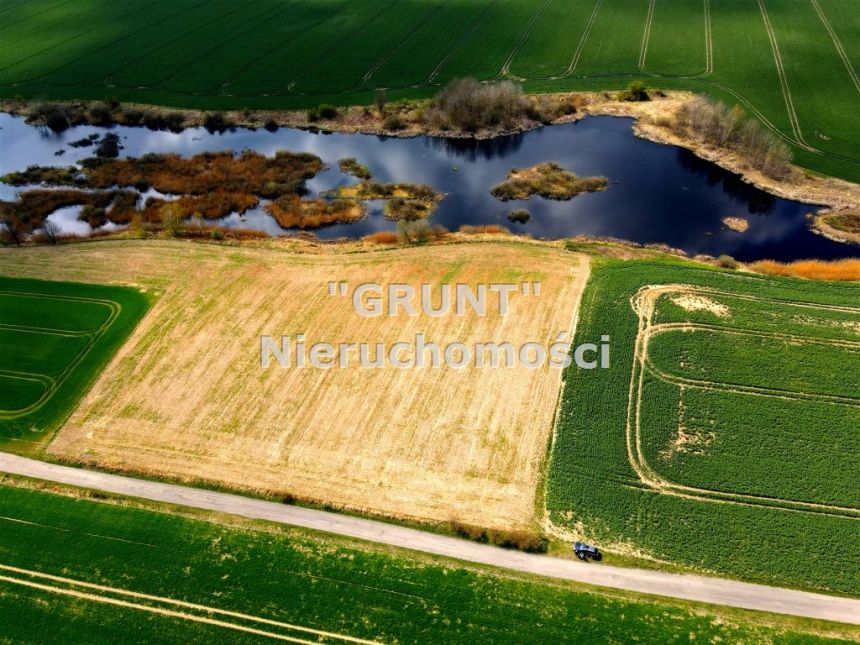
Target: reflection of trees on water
point(758, 202)
point(472, 149)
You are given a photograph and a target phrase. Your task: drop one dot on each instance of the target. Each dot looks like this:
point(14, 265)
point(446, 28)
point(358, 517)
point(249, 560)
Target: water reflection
point(657, 194)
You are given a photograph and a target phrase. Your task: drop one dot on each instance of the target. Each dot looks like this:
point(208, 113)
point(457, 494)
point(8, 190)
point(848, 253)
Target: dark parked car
point(586, 551)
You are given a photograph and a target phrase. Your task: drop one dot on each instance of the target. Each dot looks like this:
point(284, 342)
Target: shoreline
point(825, 195)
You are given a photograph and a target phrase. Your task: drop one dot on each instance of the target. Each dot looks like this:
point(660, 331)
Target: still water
point(657, 193)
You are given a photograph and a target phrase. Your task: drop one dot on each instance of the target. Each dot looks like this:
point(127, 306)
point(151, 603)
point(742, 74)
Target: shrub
point(216, 234)
point(327, 111)
point(271, 126)
point(55, 117)
point(413, 232)
point(351, 166)
point(132, 117)
point(635, 91)
point(520, 216)
point(217, 122)
point(313, 114)
point(727, 262)
point(393, 122)
point(101, 114)
point(383, 237)
point(470, 105)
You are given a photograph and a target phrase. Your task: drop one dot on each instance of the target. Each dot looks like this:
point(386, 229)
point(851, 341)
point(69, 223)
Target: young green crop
point(593, 485)
point(307, 580)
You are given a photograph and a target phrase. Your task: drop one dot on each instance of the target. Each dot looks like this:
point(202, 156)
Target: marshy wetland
point(654, 194)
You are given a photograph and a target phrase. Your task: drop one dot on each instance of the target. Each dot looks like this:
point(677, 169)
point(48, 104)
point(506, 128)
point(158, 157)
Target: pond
point(656, 194)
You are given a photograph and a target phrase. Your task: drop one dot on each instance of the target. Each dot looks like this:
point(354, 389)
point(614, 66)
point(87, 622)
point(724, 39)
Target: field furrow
point(678, 44)
point(553, 41)
point(615, 41)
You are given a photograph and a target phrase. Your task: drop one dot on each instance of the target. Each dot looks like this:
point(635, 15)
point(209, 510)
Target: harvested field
point(186, 397)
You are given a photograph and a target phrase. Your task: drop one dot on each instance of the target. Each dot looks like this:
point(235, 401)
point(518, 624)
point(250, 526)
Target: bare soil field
point(186, 397)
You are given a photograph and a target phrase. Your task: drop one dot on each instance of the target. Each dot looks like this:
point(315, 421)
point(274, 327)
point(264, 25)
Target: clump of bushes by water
point(393, 122)
point(467, 104)
point(322, 111)
point(419, 232)
point(520, 216)
point(351, 166)
point(216, 122)
point(549, 180)
point(249, 172)
point(408, 210)
point(715, 123)
point(32, 207)
point(292, 212)
point(636, 91)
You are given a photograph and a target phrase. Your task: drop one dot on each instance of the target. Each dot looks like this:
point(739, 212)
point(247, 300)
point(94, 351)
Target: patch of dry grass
point(813, 269)
point(186, 398)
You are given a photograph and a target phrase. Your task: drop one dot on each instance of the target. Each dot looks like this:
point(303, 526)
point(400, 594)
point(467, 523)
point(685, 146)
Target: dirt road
point(689, 587)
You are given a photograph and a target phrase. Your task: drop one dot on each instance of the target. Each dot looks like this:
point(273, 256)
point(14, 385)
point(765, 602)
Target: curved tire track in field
point(57, 381)
point(643, 303)
point(687, 586)
point(646, 35)
point(837, 44)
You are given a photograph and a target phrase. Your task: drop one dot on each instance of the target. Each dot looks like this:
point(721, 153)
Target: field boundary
point(643, 303)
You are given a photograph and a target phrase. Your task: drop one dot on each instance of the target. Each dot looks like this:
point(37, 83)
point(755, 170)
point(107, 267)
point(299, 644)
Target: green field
point(792, 63)
point(54, 339)
point(725, 434)
point(295, 584)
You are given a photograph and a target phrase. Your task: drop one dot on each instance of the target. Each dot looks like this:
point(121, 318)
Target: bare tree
point(51, 230)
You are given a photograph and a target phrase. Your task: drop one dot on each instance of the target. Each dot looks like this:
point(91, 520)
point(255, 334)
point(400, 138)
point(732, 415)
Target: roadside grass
point(289, 581)
point(723, 443)
point(60, 335)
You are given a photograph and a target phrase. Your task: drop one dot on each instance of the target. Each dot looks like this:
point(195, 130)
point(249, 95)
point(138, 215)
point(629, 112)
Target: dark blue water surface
point(657, 193)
